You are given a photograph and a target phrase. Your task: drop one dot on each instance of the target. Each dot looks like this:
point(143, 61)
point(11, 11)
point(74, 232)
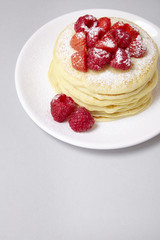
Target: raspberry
point(107, 42)
point(79, 61)
point(94, 35)
point(131, 30)
point(122, 38)
point(121, 60)
point(104, 23)
point(97, 58)
point(61, 107)
point(137, 48)
point(85, 22)
point(78, 41)
point(81, 120)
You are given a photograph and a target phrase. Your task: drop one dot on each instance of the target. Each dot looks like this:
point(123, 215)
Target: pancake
point(110, 93)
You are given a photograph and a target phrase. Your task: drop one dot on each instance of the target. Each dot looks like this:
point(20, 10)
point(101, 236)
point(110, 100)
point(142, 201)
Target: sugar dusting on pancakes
point(103, 77)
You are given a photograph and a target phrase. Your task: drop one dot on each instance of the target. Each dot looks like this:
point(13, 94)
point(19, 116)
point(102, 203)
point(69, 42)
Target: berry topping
point(118, 25)
point(122, 38)
point(97, 58)
point(131, 30)
point(104, 23)
point(61, 107)
point(98, 44)
point(79, 61)
point(85, 22)
point(107, 42)
point(78, 41)
point(121, 60)
point(81, 120)
point(137, 48)
point(94, 35)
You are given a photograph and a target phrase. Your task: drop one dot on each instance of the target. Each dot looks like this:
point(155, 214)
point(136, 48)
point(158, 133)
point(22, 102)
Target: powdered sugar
point(109, 77)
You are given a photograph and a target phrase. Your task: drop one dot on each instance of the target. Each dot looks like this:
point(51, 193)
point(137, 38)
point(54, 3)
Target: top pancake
point(108, 80)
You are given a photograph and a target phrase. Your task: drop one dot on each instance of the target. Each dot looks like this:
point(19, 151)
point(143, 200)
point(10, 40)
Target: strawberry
point(121, 60)
point(137, 48)
point(104, 23)
point(78, 41)
point(107, 42)
point(94, 35)
point(79, 61)
point(97, 58)
point(131, 30)
point(85, 22)
point(122, 38)
point(118, 25)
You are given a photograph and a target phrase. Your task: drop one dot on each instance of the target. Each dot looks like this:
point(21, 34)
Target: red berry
point(85, 22)
point(122, 38)
point(137, 48)
point(104, 23)
point(133, 31)
point(121, 60)
point(78, 41)
point(94, 35)
point(97, 58)
point(81, 120)
point(61, 107)
point(118, 25)
point(107, 42)
point(79, 61)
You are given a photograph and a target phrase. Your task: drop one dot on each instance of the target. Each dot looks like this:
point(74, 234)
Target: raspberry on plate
point(107, 42)
point(97, 58)
point(137, 48)
point(85, 22)
point(122, 38)
point(79, 61)
point(61, 107)
point(121, 60)
point(104, 23)
point(94, 35)
point(81, 120)
point(78, 41)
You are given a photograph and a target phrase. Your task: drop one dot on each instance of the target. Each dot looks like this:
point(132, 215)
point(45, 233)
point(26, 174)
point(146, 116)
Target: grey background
point(52, 190)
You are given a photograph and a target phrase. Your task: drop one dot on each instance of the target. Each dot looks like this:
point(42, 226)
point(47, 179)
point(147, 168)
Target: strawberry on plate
point(104, 23)
point(107, 42)
point(78, 41)
point(79, 61)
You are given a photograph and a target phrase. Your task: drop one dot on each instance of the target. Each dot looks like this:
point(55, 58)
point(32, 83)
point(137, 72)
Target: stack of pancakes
point(110, 93)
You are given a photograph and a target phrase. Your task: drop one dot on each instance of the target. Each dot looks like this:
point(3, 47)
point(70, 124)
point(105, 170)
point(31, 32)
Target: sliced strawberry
point(104, 23)
point(78, 41)
point(94, 35)
point(97, 58)
point(133, 31)
point(107, 42)
point(137, 48)
point(79, 61)
point(118, 25)
point(121, 60)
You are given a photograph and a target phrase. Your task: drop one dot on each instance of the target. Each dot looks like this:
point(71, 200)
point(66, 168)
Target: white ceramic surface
point(35, 92)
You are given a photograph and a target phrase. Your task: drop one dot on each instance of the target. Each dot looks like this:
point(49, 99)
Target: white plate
point(35, 92)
